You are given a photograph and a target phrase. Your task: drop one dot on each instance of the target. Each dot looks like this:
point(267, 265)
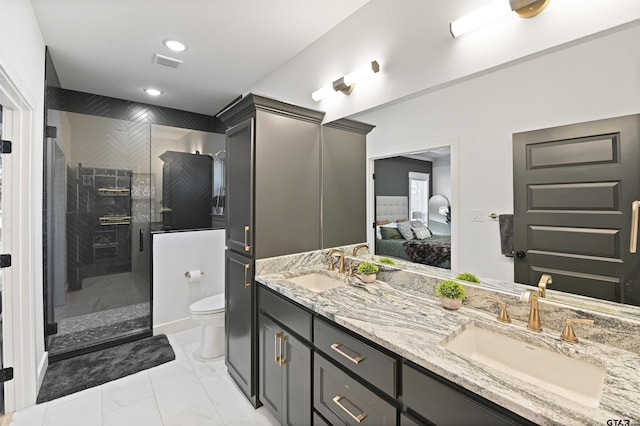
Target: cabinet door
point(297, 382)
point(239, 179)
point(271, 374)
point(239, 321)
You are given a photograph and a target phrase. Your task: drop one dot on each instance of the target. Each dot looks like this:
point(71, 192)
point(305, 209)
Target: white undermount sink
point(571, 378)
point(316, 282)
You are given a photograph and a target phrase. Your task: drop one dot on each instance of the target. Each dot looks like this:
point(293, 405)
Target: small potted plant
point(451, 294)
point(387, 261)
point(468, 276)
point(367, 272)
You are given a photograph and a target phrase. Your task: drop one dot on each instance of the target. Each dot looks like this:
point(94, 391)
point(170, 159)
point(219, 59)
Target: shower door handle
point(635, 208)
point(141, 240)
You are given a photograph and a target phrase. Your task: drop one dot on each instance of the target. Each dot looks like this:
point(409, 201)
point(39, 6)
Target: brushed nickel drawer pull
point(359, 418)
point(247, 247)
point(246, 270)
point(357, 360)
point(276, 346)
point(635, 206)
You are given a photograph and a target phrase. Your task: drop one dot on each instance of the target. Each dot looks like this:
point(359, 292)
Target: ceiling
point(107, 47)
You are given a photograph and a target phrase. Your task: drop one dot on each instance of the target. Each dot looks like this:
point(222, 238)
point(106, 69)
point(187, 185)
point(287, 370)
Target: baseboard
point(174, 326)
point(42, 369)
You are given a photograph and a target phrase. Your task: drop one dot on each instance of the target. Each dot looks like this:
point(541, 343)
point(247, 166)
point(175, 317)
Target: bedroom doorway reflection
point(412, 207)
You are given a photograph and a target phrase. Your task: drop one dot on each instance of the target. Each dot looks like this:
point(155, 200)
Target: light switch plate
point(477, 215)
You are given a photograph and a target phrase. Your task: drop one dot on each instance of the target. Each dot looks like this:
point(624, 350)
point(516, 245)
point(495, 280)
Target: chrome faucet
point(545, 280)
point(341, 264)
point(361, 246)
point(531, 297)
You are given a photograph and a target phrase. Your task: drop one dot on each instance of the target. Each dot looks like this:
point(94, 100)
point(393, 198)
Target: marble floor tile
point(32, 416)
point(199, 415)
point(83, 410)
point(143, 412)
point(126, 391)
point(227, 398)
point(177, 388)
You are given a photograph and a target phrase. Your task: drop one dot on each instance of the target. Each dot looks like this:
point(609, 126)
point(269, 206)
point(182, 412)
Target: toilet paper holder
point(188, 274)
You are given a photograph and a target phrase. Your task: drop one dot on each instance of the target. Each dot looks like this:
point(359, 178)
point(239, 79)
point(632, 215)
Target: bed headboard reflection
point(392, 208)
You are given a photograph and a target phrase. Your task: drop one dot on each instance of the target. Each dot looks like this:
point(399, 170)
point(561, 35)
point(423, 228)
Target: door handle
point(635, 208)
point(141, 240)
point(359, 418)
point(247, 266)
point(276, 346)
point(247, 247)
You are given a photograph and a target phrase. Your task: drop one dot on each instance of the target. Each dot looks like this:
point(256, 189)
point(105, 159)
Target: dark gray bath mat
point(93, 369)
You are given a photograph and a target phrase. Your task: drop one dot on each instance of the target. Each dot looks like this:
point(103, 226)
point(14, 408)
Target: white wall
point(597, 78)
point(441, 171)
point(175, 253)
point(22, 87)
point(411, 40)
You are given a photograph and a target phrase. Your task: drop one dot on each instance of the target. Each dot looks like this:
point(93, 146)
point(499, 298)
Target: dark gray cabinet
point(443, 403)
point(356, 355)
point(239, 181)
point(240, 323)
point(285, 369)
point(344, 181)
point(353, 381)
point(344, 401)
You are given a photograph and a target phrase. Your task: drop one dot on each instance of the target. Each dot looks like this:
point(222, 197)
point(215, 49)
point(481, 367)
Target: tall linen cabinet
point(293, 185)
point(273, 208)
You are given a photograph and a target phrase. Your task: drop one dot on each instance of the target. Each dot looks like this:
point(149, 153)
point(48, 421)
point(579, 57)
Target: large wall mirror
point(574, 188)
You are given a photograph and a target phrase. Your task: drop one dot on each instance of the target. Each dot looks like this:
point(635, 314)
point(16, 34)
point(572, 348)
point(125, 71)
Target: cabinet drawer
point(367, 362)
point(343, 400)
point(290, 315)
point(441, 404)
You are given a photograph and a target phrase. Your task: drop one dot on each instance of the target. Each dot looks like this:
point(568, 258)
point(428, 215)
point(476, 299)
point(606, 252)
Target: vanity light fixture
point(347, 83)
point(152, 92)
point(495, 10)
point(175, 45)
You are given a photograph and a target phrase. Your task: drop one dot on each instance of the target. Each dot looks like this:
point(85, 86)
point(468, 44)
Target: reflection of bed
point(434, 251)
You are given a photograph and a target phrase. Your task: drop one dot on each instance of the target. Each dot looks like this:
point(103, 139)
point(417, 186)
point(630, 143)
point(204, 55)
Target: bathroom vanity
point(383, 354)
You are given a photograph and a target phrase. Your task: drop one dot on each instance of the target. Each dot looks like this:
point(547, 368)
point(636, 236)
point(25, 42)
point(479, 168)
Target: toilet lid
point(209, 304)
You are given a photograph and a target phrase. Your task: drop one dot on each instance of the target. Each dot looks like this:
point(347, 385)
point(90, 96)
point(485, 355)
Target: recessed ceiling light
point(152, 92)
point(175, 45)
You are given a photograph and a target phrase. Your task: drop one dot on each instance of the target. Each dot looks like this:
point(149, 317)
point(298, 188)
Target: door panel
point(239, 178)
point(239, 321)
point(573, 190)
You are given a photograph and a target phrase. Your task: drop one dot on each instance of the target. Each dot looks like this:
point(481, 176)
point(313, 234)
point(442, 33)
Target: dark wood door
point(573, 192)
point(240, 187)
point(240, 322)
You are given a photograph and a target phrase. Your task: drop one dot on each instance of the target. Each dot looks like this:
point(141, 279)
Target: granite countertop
point(409, 321)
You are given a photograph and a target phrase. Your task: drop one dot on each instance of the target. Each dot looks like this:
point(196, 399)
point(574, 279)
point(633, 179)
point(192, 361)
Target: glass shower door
point(99, 194)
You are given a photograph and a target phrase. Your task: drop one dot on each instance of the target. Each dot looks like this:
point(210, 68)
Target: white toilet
point(209, 312)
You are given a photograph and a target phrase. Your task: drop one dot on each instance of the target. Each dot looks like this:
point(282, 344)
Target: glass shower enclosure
point(99, 193)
